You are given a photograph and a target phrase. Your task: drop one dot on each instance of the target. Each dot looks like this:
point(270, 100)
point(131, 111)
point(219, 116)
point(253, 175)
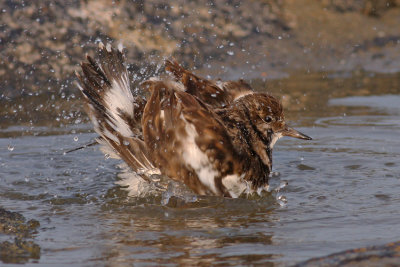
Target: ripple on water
point(389, 103)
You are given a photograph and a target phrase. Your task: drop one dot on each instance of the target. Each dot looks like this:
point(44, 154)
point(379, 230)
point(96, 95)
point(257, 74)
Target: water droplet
point(281, 200)
point(282, 185)
point(10, 147)
point(231, 53)
point(76, 138)
point(275, 174)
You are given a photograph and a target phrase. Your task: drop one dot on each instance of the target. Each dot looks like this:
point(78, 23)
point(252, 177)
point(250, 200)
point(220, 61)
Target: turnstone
point(216, 137)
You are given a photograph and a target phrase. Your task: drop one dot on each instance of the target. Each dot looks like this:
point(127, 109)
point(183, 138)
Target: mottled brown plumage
point(217, 137)
point(213, 93)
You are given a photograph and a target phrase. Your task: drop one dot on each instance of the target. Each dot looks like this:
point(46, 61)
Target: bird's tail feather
point(114, 111)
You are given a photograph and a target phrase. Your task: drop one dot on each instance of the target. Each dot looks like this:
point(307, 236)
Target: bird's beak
point(288, 131)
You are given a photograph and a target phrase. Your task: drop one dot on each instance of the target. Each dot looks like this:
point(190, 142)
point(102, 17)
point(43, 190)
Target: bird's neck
point(249, 142)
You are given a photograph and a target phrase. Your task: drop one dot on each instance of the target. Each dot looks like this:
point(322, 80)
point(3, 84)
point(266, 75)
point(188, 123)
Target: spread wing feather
point(214, 141)
point(113, 109)
point(173, 121)
point(216, 94)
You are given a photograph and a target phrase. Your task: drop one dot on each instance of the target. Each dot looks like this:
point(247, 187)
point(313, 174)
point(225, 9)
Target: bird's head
point(266, 115)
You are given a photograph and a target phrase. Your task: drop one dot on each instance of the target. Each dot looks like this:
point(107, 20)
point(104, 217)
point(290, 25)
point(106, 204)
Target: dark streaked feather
point(213, 139)
point(163, 135)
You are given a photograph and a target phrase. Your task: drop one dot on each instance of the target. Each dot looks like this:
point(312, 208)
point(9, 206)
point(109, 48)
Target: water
point(343, 188)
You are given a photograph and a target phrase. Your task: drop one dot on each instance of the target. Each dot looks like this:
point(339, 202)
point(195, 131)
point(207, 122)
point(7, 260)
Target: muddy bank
point(42, 42)
point(384, 255)
point(16, 232)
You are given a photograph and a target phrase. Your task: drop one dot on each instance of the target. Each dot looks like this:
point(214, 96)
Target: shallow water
point(343, 188)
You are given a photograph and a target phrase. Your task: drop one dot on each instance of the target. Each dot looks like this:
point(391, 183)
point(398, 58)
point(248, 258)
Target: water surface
point(343, 187)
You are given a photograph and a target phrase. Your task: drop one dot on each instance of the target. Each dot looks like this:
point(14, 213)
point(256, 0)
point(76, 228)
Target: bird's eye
point(268, 119)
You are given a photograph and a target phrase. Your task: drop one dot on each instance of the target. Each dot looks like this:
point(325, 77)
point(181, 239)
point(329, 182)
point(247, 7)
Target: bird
point(216, 137)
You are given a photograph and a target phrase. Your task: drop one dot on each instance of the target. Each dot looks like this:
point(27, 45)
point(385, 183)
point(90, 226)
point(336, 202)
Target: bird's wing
point(186, 138)
point(114, 111)
point(236, 89)
point(217, 94)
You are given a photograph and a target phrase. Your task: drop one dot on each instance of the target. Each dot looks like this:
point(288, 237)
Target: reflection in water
point(342, 187)
point(211, 230)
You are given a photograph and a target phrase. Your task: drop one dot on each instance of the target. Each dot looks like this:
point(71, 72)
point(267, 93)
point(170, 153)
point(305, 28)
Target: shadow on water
point(342, 193)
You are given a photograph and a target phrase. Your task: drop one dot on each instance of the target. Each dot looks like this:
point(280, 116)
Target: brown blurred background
point(43, 41)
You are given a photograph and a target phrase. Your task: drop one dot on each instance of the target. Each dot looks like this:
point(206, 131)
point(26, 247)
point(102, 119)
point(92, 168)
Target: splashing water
point(10, 147)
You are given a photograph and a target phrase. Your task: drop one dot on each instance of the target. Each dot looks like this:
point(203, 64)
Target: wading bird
point(216, 137)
